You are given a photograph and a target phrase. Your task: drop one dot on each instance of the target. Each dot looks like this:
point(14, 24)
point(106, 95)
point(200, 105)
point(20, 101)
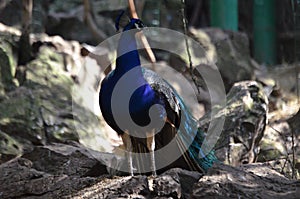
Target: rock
point(64, 19)
point(276, 142)
point(108, 5)
point(43, 108)
point(228, 50)
point(62, 159)
point(247, 181)
point(116, 187)
point(2, 92)
point(10, 17)
point(7, 66)
point(68, 171)
point(255, 180)
point(285, 77)
point(175, 183)
point(294, 123)
point(40, 110)
point(167, 186)
point(20, 116)
point(70, 23)
point(53, 89)
point(19, 179)
point(50, 171)
point(64, 7)
point(9, 147)
point(245, 120)
point(70, 26)
point(276, 147)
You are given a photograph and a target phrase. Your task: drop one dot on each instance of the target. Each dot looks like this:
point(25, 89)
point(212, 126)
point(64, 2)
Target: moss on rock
point(7, 66)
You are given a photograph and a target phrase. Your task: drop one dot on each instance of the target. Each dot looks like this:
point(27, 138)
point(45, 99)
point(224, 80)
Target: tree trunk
point(25, 47)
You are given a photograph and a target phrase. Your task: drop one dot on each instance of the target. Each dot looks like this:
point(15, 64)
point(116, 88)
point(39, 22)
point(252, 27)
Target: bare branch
point(132, 9)
point(24, 54)
point(98, 34)
point(142, 37)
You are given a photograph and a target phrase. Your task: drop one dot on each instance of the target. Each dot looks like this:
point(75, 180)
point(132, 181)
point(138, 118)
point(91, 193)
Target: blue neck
point(131, 59)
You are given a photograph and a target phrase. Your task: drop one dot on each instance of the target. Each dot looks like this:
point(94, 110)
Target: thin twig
point(295, 8)
point(148, 49)
point(24, 53)
point(98, 34)
point(185, 32)
point(142, 37)
point(184, 20)
point(297, 72)
point(294, 151)
point(292, 163)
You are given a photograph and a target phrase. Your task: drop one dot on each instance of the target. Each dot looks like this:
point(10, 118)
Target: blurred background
point(51, 67)
point(275, 22)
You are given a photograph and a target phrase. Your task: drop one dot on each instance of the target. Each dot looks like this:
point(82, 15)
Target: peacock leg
point(128, 146)
point(151, 147)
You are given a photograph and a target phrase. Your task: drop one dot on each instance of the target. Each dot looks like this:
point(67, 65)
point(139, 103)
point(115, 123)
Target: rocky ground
point(73, 171)
point(54, 143)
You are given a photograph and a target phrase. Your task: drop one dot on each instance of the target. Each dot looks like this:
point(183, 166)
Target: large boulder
point(68, 19)
point(70, 26)
point(280, 144)
point(9, 147)
point(247, 181)
point(20, 116)
point(245, 119)
point(73, 171)
point(37, 110)
point(7, 63)
point(11, 14)
point(40, 107)
point(63, 18)
point(228, 50)
point(51, 172)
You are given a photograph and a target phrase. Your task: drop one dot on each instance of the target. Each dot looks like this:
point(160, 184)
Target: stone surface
point(9, 14)
point(42, 109)
point(54, 176)
point(248, 181)
point(175, 183)
point(229, 51)
point(9, 147)
point(7, 65)
point(61, 159)
point(276, 142)
point(245, 118)
point(276, 147)
point(48, 172)
point(70, 26)
point(39, 109)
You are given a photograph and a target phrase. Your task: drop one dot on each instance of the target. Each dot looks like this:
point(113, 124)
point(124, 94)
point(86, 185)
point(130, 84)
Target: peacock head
point(134, 24)
point(128, 24)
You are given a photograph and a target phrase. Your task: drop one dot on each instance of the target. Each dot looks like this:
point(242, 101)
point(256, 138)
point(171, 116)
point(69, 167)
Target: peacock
point(156, 127)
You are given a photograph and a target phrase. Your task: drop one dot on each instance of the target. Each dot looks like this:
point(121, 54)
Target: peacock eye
point(136, 26)
point(139, 25)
